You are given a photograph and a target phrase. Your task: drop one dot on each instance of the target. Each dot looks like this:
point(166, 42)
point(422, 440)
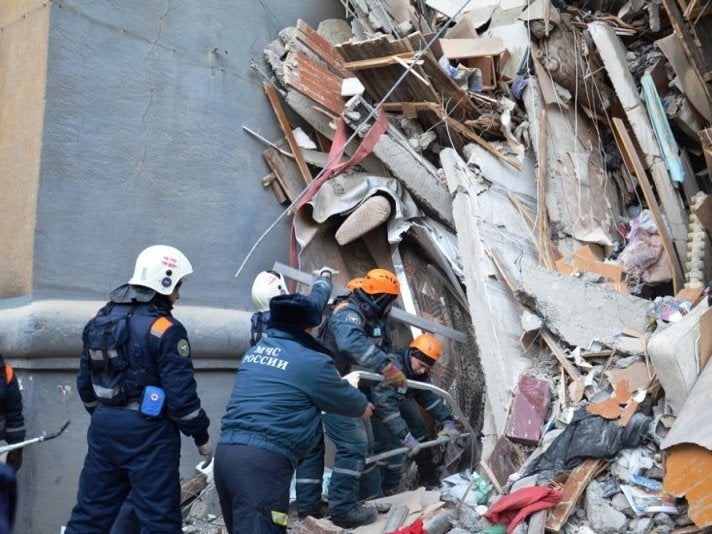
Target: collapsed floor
point(536, 173)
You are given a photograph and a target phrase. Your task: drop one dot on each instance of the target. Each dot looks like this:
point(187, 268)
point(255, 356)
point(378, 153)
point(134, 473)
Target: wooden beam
point(287, 130)
point(379, 61)
point(574, 487)
point(560, 355)
point(635, 167)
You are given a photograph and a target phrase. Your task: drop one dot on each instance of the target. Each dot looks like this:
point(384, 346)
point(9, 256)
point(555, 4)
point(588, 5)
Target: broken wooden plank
point(314, 81)
point(322, 48)
point(287, 130)
point(573, 488)
point(559, 354)
point(635, 167)
point(379, 61)
point(285, 171)
point(271, 181)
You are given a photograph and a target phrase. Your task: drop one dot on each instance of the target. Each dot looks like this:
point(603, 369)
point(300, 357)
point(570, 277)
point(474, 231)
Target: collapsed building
point(536, 173)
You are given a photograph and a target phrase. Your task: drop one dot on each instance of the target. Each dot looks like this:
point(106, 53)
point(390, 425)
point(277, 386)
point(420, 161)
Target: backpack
point(105, 338)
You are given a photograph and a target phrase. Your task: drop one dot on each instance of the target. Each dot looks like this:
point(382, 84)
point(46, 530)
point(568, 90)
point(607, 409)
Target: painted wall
point(23, 63)
point(121, 127)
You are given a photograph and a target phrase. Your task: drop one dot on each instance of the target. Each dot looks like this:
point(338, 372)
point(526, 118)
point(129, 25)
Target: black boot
point(357, 516)
point(427, 473)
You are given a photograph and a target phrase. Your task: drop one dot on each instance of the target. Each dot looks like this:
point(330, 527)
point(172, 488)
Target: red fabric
point(514, 508)
point(335, 166)
point(415, 528)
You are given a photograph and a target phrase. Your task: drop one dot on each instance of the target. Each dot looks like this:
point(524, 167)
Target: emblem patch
point(353, 318)
point(183, 348)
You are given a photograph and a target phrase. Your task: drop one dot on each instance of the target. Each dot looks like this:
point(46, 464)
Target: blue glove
point(412, 443)
point(449, 429)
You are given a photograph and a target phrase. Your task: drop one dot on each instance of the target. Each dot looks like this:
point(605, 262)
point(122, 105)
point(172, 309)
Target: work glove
point(14, 459)
point(412, 444)
point(206, 451)
point(394, 376)
point(325, 272)
point(449, 429)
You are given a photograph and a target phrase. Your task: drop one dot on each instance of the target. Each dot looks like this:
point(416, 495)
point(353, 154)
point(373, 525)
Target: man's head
point(267, 284)
point(380, 287)
point(424, 352)
point(162, 269)
point(294, 309)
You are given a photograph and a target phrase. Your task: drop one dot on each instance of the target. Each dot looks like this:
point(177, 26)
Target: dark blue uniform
point(397, 414)
point(273, 421)
point(357, 333)
point(127, 450)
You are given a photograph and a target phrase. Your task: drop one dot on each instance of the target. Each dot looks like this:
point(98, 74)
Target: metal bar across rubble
point(396, 313)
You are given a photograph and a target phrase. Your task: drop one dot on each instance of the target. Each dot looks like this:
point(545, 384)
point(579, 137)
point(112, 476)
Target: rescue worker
point(267, 284)
point(273, 417)
point(310, 471)
point(136, 380)
point(357, 332)
point(397, 421)
point(12, 421)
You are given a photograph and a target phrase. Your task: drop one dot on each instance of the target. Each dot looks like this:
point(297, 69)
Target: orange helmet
point(378, 281)
point(428, 348)
point(354, 283)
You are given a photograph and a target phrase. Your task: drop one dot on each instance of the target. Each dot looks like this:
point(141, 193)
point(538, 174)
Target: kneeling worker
point(397, 413)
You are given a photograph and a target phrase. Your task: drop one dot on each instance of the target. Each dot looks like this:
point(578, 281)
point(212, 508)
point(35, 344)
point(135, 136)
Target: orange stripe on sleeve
point(160, 325)
point(9, 374)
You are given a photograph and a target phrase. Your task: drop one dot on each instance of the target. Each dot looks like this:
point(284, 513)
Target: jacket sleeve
point(347, 326)
point(388, 410)
point(84, 385)
point(332, 394)
point(321, 292)
point(14, 420)
point(432, 404)
point(175, 368)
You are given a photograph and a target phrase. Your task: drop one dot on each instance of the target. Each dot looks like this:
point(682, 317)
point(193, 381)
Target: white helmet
point(160, 267)
point(267, 284)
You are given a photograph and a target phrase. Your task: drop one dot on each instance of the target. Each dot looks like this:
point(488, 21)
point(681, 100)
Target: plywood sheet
point(688, 472)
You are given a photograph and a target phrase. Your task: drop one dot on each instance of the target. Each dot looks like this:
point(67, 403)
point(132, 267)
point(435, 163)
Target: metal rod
point(404, 450)
point(397, 314)
point(43, 437)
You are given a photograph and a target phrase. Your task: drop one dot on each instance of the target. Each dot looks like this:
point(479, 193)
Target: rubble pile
point(553, 158)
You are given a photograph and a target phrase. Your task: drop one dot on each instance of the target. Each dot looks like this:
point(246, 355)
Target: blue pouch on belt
point(152, 402)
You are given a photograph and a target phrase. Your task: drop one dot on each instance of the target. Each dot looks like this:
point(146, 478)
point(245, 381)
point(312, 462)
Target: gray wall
point(142, 144)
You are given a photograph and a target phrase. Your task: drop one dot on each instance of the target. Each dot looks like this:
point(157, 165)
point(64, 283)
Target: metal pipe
point(404, 450)
point(48, 330)
point(355, 376)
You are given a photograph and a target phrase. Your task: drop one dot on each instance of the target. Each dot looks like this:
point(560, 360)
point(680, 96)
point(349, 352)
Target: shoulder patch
point(9, 374)
point(353, 317)
point(160, 325)
point(341, 305)
point(183, 348)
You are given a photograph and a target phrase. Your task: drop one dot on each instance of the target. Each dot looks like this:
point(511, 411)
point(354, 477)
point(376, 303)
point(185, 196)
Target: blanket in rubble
point(589, 436)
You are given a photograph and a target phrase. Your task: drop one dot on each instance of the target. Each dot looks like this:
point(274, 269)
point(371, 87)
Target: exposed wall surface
point(23, 63)
point(121, 127)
